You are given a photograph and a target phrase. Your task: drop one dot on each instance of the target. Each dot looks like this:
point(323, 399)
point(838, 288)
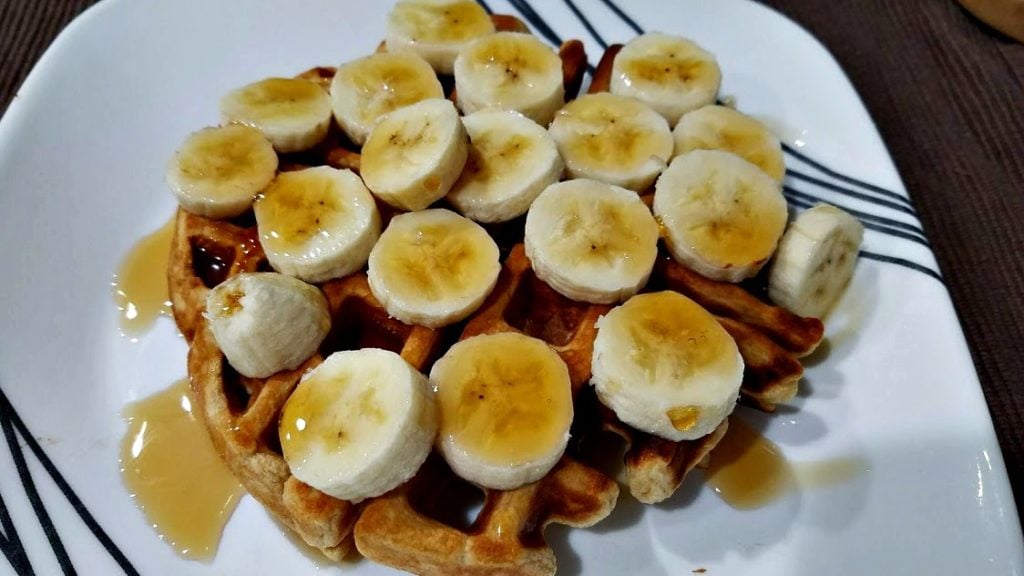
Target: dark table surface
point(947, 93)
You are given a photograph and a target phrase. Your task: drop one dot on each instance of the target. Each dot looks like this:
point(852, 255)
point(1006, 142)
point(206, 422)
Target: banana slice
point(512, 71)
point(815, 260)
point(666, 366)
point(267, 322)
point(317, 223)
point(506, 406)
point(722, 215)
point(365, 89)
point(433, 268)
point(614, 139)
point(591, 241)
point(218, 171)
point(415, 154)
point(437, 30)
point(722, 128)
point(670, 74)
point(511, 161)
point(359, 424)
point(292, 113)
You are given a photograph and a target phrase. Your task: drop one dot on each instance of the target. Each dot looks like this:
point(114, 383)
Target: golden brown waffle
point(416, 527)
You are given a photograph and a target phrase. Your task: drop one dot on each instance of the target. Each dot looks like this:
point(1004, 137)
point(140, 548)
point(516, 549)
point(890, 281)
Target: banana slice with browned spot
point(433, 267)
point(317, 223)
point(293, 113)
point(511, 161)
point(367, 88)
point(722, 128)
point(591, 241)
point(511, 71)
point(671, 74)
point(722, 216)
point(437, 30)
point(614, 139)
point(505, 403)
point(217, 172)
point(665, 366)
point(415, 154)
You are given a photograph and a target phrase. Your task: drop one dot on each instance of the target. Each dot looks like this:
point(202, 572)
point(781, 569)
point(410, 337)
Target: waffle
point(418, 526)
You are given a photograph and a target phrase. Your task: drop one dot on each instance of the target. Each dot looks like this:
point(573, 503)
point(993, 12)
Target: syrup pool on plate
point(140, 285)
point(174, 474)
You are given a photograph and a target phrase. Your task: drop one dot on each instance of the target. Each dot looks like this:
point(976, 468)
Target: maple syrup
point(174, 474)
point(749, 471)
point(140, 285)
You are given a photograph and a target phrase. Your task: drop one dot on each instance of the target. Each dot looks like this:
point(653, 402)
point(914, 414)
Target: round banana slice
point(511, 160)
point(359, 424)
point(292, 113)
point(591, 241)
point(317, 223)
point(267, 322)
point(505, 405)
point(437, 30)
point(415, 154)
point(815, 260)
point(218, 171)
point(433, 267)
point(614, 139)
point(665, 366)
point(722, 128)
point(365, 89)
point(670, 74)
point(512, 71)
point(722, 215)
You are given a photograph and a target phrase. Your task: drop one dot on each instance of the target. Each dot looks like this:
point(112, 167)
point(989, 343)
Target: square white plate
point(82, 153)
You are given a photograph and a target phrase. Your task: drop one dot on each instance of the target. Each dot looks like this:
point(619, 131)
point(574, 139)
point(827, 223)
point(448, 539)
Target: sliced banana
point(722, 128)
point(665, 366)
point(722, 215)
point(815, 260)
point(359, 424)
point(365, 89)
point(614, 139)
point(673, 75)
point(433, 267)
point(266, 322)
point(511, 160)
point(292, 113)
point(415, 154)
point(218, 171)
point(591, 241)
point(317, 223)
point(511, 71)
point(437, 30)
point(505, 403)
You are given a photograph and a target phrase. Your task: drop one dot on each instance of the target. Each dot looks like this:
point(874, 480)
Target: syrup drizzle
point(140, 284)
point(174, 474)
point(749, 471)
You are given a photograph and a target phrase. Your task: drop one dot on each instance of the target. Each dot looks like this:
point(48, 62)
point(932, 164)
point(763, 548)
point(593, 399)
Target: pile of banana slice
point(497, 407)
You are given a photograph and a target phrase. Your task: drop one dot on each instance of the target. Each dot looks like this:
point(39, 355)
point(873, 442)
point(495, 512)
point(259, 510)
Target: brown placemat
point(947, 93)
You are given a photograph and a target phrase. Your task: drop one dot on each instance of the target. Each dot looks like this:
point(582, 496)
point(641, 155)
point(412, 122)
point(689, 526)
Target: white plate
point(82, 151)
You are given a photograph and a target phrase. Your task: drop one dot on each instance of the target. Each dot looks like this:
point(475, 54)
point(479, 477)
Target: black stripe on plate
point(485, 6)
point(902, 207)
point(623, 16)
point(848, 179)
point(901, 262)
point(872, 226)
point(42, 515)
point(7, 411)
point(586, 23)
point(531, 15)
point(10, 543)
point(803, 195)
